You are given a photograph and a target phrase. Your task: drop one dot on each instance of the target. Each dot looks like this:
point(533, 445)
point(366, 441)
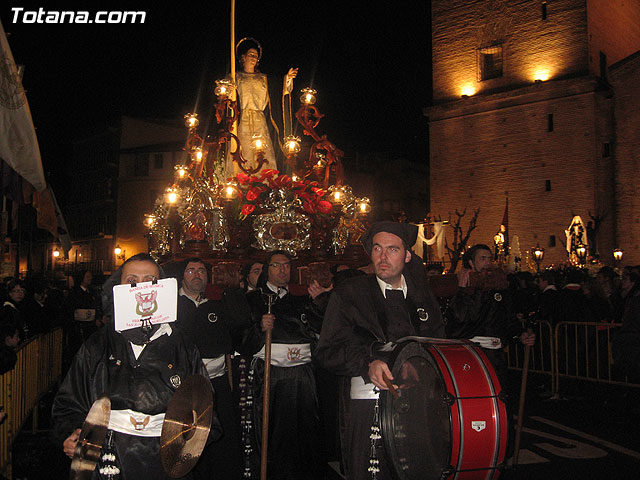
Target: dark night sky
point(80, 78)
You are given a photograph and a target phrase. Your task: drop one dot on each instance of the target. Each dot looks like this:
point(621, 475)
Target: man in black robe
point(205, 323)
point(294, 443)
point(364, 314)
point(139, 370)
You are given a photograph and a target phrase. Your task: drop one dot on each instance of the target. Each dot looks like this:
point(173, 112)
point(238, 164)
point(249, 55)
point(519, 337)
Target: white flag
point(18, 142)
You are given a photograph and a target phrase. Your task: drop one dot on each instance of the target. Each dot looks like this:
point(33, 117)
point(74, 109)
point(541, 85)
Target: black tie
point(394, 297)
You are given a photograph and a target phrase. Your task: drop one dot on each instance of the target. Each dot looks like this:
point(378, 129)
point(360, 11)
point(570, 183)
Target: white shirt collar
point(281, 291)
point(198, 301)
point(384, 286)
point(165, 329)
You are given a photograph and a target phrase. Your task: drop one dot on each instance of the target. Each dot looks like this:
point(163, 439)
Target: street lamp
point(617, 256)
point(581, 252)
point(120, 253)
point(538, 255)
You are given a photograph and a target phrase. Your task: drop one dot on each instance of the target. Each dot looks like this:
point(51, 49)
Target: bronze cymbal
point(186, 426)
point(94, 429)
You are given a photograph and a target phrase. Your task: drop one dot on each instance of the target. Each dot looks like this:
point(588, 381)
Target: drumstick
point(392, 389)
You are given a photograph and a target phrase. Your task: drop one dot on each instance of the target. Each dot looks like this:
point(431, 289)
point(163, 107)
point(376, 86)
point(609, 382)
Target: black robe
point(207, 326)
point(358, 321)
point(106, 365)
point(295, 445)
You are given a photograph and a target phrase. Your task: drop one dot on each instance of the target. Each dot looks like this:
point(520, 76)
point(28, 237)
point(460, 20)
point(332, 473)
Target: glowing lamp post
point(617, 256)
point(120, 253)
point(538, 255)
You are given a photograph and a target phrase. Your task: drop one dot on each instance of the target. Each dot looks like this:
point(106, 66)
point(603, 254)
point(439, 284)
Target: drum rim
point(404, 351)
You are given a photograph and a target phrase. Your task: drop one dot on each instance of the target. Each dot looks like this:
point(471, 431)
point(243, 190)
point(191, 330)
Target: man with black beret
point(365, 313)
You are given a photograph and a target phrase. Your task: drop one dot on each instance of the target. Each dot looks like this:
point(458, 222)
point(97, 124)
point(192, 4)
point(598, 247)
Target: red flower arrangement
point(255, 189)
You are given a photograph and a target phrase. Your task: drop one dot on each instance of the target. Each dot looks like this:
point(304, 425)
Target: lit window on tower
point(490, 62)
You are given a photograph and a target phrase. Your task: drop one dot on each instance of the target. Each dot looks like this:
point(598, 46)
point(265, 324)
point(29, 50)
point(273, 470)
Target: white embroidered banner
point(157, 302)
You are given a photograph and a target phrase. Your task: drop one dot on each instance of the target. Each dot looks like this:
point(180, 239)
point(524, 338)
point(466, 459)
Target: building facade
point(525, 109)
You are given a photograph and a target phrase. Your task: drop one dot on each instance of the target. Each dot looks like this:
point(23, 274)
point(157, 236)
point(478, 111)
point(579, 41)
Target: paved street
point(591, 432)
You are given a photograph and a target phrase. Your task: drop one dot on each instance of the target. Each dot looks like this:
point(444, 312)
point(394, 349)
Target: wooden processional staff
point(266, 391)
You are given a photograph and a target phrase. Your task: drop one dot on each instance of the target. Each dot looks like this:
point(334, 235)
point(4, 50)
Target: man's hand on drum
point(69, 444)
point(267, 321)
point(528, 338)
point(377, 371)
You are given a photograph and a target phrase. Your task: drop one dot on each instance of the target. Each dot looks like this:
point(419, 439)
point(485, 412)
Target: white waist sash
point(288, 354)
point(492, 343)
point(136, 423)
point(362, 391)
point(216, 367)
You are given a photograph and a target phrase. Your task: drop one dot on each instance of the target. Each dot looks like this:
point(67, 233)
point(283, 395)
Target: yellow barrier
point(39, 366)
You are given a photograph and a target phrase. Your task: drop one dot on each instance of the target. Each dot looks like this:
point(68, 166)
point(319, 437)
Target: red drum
point(448, 421)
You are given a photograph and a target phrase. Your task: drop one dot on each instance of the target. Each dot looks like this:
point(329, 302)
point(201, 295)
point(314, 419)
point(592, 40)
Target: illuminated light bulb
point(294, 178)
point(56, 253)
point(258, 143)
point(198, 154)
point(230, 190)
point(117, 250)
point(292, 144)
point(224, 88)
point(364, 206)
point(617, 254)
point(337, 196)
point(149, 220)
point(541, 75)
point(181, 171)
point(191, 119)
point(308, 96)
point(467, 91)
point(171, 195)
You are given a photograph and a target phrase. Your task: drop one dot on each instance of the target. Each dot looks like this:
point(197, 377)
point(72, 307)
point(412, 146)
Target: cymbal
point(94, 429)
point(186, 426)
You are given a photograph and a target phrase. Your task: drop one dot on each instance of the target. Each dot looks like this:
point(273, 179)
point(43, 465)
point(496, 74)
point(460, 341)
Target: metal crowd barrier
point(38, 368)
point(579, 350)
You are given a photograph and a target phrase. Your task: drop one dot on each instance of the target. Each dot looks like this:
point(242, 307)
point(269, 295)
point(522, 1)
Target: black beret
point(406, 231)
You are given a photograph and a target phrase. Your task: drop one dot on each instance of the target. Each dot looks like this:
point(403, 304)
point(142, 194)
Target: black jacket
point(298, 320)
point(353, 326)
point(205, 325)
point(106, 365)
